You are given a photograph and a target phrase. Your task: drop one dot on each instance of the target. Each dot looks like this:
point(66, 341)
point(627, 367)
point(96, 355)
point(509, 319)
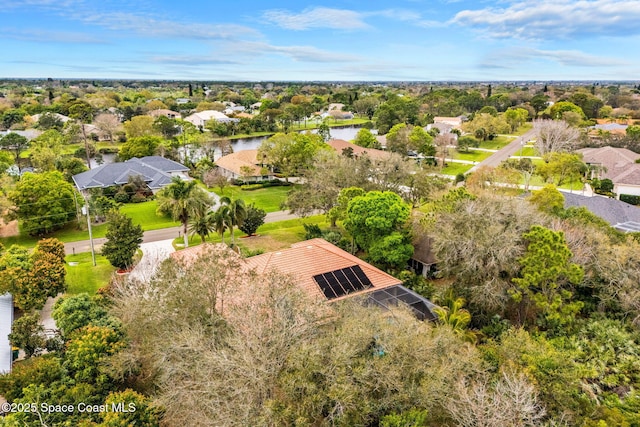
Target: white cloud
point(515, 57)
point(151, 27)
point(319, 17)
point(192, 60)
point(553, 19)
point(44, 36)
point(296, 53)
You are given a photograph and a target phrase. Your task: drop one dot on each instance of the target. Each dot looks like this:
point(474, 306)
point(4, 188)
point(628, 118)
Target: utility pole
point(85, 211)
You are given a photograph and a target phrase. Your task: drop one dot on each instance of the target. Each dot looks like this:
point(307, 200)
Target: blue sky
point(332, 40)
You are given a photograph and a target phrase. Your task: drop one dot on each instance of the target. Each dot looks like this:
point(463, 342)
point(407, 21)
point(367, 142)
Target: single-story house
point(156, 171)
point(6, 320)
point(244, 165)
point(620, 215)
point(617, 164)
point(327, 273)
point(340, 145)
point(454, 122)
point(200, 119)
point(164, 112)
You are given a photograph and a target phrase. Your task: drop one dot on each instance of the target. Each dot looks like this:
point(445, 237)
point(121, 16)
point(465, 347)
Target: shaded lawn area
point(497, 143)
point(270, 237)
point(472, 155)
point(455, 168)
point(269, 198)
point(84, 277)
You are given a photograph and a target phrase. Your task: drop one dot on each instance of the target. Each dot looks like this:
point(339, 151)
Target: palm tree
point(453, 315)
point(200, 225)
point(220, 220)
point(183, 200)
point(237, 213)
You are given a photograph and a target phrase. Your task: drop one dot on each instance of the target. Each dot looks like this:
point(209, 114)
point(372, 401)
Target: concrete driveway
point(153, 253)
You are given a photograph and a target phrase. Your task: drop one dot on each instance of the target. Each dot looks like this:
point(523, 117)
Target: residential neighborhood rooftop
point(156, 171)
point(341, 144)
point(615, 212)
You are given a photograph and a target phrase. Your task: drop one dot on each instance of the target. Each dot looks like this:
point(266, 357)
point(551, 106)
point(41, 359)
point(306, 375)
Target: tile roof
point(316, 256)
point(617, 161)
point(235, 161)
point(154, 170)
point(341, 144)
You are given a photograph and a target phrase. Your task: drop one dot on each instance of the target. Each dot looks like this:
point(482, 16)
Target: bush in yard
point(123, 240)
point(255, 218)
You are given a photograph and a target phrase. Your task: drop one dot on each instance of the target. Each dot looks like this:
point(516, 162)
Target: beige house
point(244, 165)
point(201, 118)
point(617, 164)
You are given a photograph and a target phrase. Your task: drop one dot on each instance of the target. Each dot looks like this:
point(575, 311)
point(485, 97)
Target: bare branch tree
point(554, 135)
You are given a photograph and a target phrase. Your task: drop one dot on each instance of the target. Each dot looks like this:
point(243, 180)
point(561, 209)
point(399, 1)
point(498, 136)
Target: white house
point(200, 119)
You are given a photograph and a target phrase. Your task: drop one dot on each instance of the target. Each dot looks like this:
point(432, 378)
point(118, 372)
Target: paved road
point(158, 235)
point(505, 152)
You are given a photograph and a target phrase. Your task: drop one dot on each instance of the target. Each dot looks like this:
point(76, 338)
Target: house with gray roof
point(620, 215)
point(156, 171)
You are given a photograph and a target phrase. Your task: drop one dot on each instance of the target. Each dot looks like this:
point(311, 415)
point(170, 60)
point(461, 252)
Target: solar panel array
point(337, 283)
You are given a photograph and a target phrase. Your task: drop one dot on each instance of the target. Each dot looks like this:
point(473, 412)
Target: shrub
point(459, 178)
point(311, 231)
point(632, 200)
point(250, 187)
point(138, 198)
point(121, 197)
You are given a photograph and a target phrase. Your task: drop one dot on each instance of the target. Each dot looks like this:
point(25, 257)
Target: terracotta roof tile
point(341, 144)
point(235, 161)
point(309, 258)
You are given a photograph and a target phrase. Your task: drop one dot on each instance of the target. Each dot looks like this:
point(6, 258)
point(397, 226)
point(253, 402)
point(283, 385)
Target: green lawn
point(269, 198)
point(497, 143)
point(270, 237)
point(145, 214)
point(84, 277)
point(455, 168)
point(527, 150)
point(472, 155)
point(523, 129)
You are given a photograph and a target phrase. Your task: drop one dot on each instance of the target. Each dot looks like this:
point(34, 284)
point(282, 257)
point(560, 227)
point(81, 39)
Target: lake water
point(346, 133)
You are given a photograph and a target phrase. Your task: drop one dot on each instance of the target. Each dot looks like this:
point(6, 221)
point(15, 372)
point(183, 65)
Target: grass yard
point(472, 155)
point(455, 168)
point(497, 143)
point(528, 151)
point(269, 198)
point(84, 277)
point(271, 237)
point(145, 214)
point(523, 129)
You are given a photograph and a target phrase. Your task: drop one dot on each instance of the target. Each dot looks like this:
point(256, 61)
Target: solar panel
point(337, 283)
